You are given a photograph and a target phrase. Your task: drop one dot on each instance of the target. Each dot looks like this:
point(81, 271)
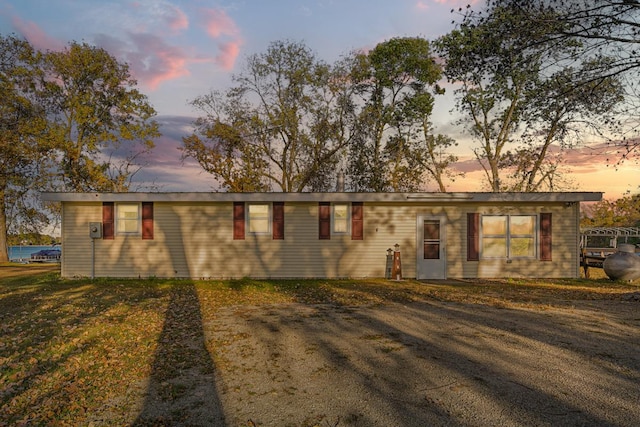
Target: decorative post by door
point(389, 266)
point(396, 271)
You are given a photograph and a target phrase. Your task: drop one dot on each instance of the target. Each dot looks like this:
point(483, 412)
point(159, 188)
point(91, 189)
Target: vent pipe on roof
point(340, 182)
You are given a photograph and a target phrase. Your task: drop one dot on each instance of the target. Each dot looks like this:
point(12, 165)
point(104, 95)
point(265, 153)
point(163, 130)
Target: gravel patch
point(427, 363)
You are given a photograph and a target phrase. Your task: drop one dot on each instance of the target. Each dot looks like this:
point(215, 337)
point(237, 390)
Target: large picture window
point(508, 236)
point(128, 218)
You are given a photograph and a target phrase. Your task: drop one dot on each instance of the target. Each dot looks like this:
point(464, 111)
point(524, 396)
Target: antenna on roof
point(340, 182)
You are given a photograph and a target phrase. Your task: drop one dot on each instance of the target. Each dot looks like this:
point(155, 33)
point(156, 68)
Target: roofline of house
point(462, 197)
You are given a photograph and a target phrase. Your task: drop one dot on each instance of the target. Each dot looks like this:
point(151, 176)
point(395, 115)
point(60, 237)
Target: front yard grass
point(79, 352)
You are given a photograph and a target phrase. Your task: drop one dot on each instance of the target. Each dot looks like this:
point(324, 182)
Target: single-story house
point(307, 235)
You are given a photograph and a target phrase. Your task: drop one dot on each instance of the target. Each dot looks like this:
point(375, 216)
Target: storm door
point(430, 244)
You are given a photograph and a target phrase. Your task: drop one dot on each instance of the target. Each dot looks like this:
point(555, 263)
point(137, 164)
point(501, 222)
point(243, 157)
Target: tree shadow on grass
point(182, 388)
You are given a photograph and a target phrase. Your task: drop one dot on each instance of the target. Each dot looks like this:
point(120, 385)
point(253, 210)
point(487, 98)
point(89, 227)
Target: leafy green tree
point(223, 151)
point(23, 143)
point(31, 238)
point(563, 107)
point(281, 124)
point(494, 76)
point(623, 212)
point(96, 110)
point(513, 88)
point(436, 157)
point(393, 90)
point(589, 30)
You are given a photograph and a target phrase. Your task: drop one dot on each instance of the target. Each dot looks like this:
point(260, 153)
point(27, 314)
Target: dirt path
point(435, 363)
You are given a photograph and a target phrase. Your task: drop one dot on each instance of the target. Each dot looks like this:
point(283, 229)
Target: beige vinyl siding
point(196, 240)
point(76, 244)
point(302, 254)
point(124, 256)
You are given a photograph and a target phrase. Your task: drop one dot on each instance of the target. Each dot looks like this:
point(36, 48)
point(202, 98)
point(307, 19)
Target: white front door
point(430, 243)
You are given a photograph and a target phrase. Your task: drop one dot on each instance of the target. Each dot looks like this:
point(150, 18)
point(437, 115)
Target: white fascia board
point(547, 197)
point(324, 197)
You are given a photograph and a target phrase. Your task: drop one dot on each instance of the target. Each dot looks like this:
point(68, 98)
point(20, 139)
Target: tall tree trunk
point(4, 254)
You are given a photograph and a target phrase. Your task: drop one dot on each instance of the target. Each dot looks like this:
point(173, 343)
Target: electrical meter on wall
point(95, 230)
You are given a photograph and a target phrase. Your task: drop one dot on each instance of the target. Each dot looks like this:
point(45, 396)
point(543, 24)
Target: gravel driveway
point(428, 363)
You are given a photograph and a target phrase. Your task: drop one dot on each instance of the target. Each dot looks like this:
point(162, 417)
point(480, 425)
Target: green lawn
point(73, 348)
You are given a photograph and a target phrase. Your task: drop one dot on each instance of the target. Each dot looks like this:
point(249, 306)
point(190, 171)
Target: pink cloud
point(166, 169)
point(228, 53)
point(218, 23)
point(591, 157)
point(178, 20)
point(36, 35)
point(467, 166)
point(151, 57)
point(152, 61)
point(583, 159)
point(220, 26)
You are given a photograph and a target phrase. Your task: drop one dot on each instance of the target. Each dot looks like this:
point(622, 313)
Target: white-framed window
point(508, 236)
point(259, 218)
point(128, 218)
point(340, 218)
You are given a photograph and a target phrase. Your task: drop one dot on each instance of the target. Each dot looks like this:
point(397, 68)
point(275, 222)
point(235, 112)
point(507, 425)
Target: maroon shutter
point(357, 221)
point(473, 236)
point(238, 221)
point(278, 220)
point(324, 220)
point(147, 220)
point(107, 220)
point(545, 237)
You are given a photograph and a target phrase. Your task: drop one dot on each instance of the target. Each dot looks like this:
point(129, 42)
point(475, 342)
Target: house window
point(259, 218)
point(128, 218)
point(340, 218)
point(508, 236)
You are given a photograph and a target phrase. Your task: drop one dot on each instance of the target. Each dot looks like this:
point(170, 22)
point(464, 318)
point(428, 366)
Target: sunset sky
point(178, 50)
